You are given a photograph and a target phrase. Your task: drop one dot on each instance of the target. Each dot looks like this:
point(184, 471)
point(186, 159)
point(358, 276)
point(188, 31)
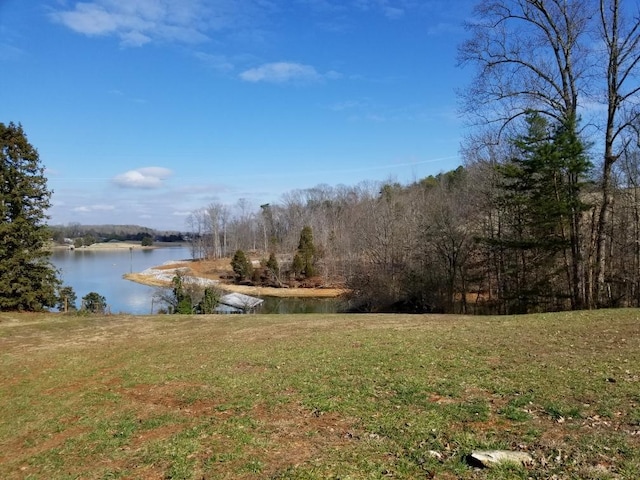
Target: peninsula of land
point(217, 273)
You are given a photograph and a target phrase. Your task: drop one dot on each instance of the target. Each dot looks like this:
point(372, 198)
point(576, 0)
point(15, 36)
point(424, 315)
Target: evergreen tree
point(273, 269)
point(541, 208)
point(182, 302)
point(297, 265)
point(209, 302)
point(306, 252)
point(241, 266)
point(67, 299)
point(27, 280)
point(94, 302)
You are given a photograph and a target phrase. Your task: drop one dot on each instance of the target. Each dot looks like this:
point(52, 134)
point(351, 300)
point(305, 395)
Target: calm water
point(300, 305)
point(101, 271)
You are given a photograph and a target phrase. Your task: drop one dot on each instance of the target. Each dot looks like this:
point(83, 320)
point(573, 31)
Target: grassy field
point(319, 397)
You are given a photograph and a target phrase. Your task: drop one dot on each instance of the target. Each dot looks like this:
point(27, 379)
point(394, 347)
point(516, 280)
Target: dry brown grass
point(220, 270)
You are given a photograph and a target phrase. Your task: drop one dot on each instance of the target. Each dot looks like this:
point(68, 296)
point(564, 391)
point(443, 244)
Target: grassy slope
point(307, 397)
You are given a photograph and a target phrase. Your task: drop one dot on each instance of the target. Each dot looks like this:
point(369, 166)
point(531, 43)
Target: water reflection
point(300, 305)
point(101, 271)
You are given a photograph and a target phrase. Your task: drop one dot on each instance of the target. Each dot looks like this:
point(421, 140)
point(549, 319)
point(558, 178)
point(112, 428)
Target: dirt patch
point(295, 436)
point(168, 397)
point(284, 292)
point(16, 450)
point(220, 271)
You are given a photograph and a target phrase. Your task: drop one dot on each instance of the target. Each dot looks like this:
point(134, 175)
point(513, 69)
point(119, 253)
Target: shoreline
point(162, 275)
point(111, 246)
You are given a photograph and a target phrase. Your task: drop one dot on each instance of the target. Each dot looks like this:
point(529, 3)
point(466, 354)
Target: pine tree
point(67, 299)
point(272, 266)
point(28, 281)
point(297, 265)
point(241, 266)
point(541, 206)
point(182, 301)
point(94, 302)
point(209, 302)
point(307, 251)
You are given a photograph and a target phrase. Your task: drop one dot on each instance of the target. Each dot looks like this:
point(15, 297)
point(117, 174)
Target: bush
point(182, 298)
point(209, 302)
point(94, 303)
point(241, 266)
point(67, 299)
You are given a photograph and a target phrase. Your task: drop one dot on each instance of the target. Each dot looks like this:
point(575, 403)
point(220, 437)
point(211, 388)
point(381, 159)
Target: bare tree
point(620, 33)
point(243, 227)
point(195, 223)
point(214, 217)
point(538, 55)
point(625, 239)
point(529, 57)
point(449, 229)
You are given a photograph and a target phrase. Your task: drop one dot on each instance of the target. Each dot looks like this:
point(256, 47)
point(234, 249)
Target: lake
point(101, 271)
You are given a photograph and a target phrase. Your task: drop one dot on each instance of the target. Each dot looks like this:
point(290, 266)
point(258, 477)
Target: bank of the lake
point(113, 270)
point(116, 246)
point(101, 270)
point(152, 278)
point(276, 300)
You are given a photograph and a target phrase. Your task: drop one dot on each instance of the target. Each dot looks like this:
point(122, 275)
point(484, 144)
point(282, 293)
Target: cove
point(101, 271)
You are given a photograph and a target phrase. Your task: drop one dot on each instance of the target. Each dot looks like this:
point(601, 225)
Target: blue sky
point(146, 110)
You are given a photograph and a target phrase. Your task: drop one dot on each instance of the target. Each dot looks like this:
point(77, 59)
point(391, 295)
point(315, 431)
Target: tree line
point(544, 215)
point(89, 234)
point(575, 64)
point(511, 234)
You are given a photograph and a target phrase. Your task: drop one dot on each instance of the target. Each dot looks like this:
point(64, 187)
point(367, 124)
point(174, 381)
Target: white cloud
point(163, 208)
point(90, 19)
point(134, 39)
point(94, 208)
point(285, 72)
point(146, 178)
point(137, 22)
point(219, 63)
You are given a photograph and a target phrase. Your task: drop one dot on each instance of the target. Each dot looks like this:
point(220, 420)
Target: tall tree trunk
point(622, 42)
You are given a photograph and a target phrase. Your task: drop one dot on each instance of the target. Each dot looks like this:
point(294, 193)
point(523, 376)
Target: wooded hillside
point(112, 232)
point(543, 216)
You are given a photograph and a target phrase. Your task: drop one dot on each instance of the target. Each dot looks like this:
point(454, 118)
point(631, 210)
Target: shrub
point(94, 303)
point(67, 299)
point(241, 266)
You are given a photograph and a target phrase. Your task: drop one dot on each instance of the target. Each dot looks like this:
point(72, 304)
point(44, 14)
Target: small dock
point(238, 303)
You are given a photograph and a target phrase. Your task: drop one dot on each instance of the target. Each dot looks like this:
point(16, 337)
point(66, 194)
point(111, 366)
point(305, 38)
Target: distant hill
point(106, 233)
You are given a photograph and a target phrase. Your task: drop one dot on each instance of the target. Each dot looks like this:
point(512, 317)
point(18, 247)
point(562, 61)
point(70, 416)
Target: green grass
point(318, 396)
